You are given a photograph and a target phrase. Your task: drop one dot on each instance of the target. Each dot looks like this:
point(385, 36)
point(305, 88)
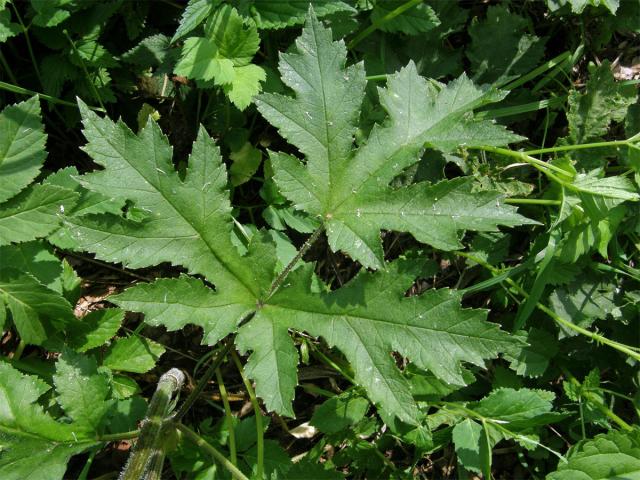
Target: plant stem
point(555, 61)
point(19, 349)
point(150, 439)
point(29, 46)
point(202, 382)
point(114, 437)
point(582, 146)
point(594, 400)
point(531, 201)
point(211, 450)
point(229, 417)
point(24, 91)
point(375, 25)
point(305, 247)
point(554, 316)
point(258, 414)
point(7, 68)
point(92, 86)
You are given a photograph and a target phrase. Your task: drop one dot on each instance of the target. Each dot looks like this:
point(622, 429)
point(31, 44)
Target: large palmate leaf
point(22, 152)
point(187, 221)
point(33, 445)
point(348, 188)
point(369, 318)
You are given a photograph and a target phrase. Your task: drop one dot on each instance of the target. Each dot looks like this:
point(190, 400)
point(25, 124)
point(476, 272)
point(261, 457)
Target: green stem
point(554, 316)
point(211, 450)
point(202, 382)
point(522, 108)
point(29, 46)
point(305, 247)
point(258, 414)
point(114, 437)
point(149, 442)
point(19, 349)
point(229, 417)
point(375, 25)
point(594, 400)
point(555, 61)
point(531, 201)
point(7, 68)
point(92, 86)
point(24, 91)
point(582, 146)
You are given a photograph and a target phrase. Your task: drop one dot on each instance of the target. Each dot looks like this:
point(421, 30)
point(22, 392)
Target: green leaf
point(190, 221)
point(154, 50)
point(418, 19)
point(584, 301)
point(193, 15)
point(499, 50)
point(133, 354)
point(176, 302)
point(36, 259)
point(22, 141)
point(603, 101)
point(35, 309)
point(224, 56)
point(340, 412)
point(8, 29)
point(614, 455)
point(95, 329)
point(532, 360)
point(367, 319)
point(273, 14)
point(616, 187)
point(578, 6)
point(201, 59)
point(89, 202)
point(32, 443)
point(83, 392)
point(349, 189)
point(245, 163)
point(245, 85)
point(34, 213)
point(517, 409)
point(472, 449)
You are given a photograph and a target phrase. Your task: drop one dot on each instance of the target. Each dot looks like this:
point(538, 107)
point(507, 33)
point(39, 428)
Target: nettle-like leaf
point(349, 188)
point(418, 19)
point(193, 15)
point(188, 222)
point(274, 14)
point(33, 444)
point(499, 50)
point(578, 6)
point(507, 414)
point(611, 455)
point(22, 152)
point(224, 56)
point(603, 101)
